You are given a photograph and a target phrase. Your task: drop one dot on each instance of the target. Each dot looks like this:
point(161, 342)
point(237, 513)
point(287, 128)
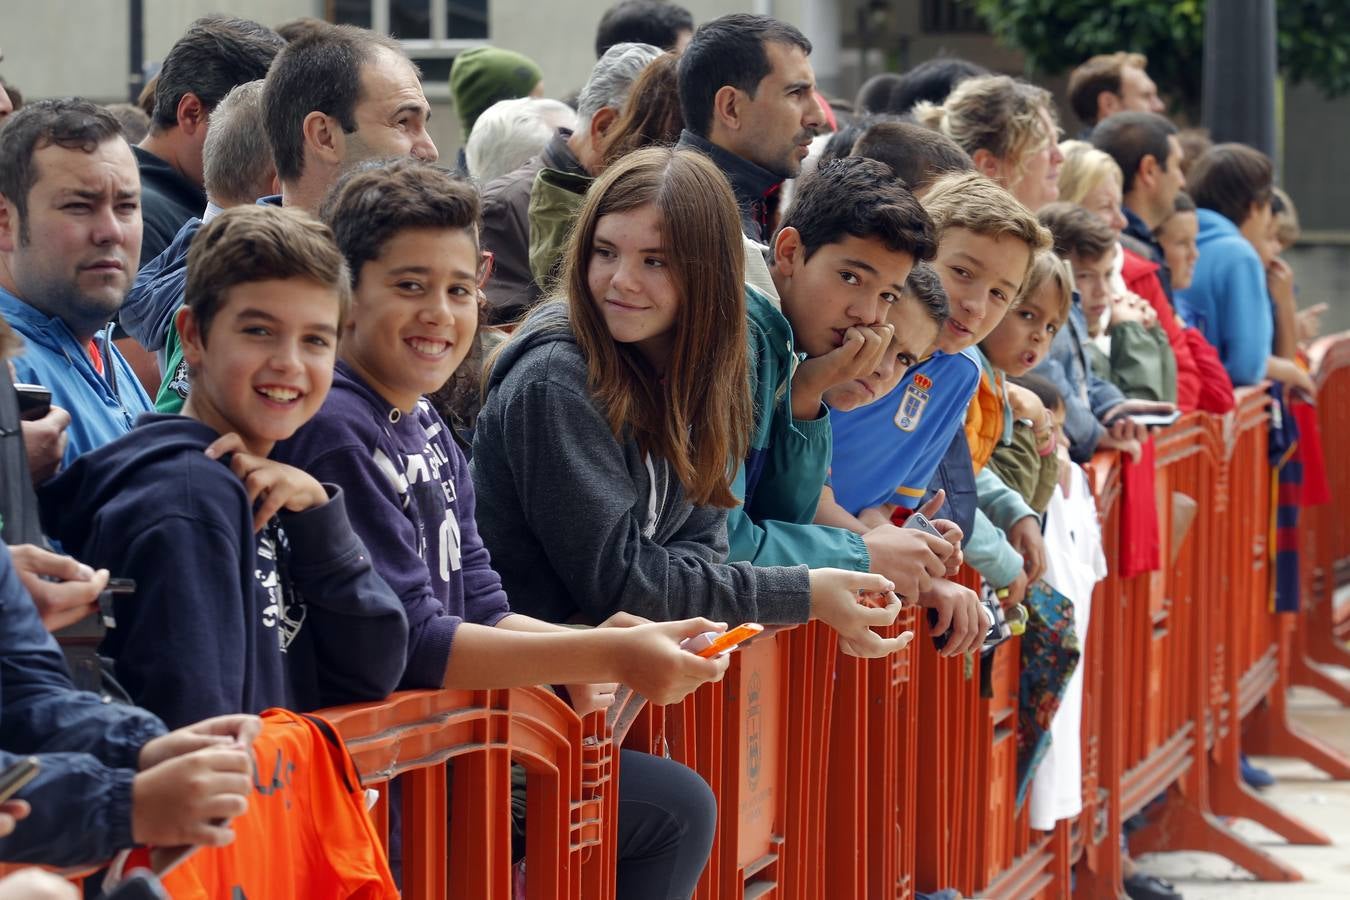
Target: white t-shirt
point(1074, 564)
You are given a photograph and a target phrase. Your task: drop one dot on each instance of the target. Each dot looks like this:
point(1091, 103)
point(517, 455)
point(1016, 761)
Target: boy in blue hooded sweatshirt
point(1229, 298)
point(252, 590)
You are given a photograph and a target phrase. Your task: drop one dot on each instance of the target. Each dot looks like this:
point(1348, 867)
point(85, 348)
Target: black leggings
point(667, 817)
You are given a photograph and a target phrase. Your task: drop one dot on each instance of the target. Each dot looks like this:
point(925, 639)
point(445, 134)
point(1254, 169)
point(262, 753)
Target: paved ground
point(1302, 791)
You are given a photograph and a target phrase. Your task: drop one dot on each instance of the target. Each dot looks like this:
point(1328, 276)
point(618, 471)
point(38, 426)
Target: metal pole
point(135, 49)
point(1238, 98)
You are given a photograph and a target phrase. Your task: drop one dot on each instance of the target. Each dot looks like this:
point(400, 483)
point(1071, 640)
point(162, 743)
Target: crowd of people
point(325, 418)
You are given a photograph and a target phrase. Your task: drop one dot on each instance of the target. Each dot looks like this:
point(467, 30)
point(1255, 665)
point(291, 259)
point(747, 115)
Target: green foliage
point(1056, 35)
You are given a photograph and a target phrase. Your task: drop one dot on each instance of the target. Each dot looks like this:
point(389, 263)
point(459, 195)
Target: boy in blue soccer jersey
point(887, 452)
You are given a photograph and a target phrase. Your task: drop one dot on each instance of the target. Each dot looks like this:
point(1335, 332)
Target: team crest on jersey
point(913, 402)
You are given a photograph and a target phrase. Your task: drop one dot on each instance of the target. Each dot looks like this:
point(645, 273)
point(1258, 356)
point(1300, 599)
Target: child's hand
point(1309, 322)
point(859, 356)
point(652, 662)
point(836, 601)
point(1128, 446)
point(910, 558)
point(1130, 307)
point(1017, 591)
point(183, 800)
point(589, 698)
point(271, 486)
point(1025, 537)
point(950, 531)
point(1025, 404)
point(229, 731)
point(959, 617)
point(1280, 283)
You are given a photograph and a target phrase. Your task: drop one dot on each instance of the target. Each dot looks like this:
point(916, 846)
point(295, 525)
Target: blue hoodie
point(88, 749)
point(223, 621)
point(1228, 299)
point(101, 407)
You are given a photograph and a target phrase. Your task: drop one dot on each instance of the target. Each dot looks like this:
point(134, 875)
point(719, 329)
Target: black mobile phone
point(16, 776)
point(105, 598)
point(35, 401)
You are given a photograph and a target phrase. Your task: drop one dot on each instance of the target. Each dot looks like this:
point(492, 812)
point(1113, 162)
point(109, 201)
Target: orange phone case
point(730, 639)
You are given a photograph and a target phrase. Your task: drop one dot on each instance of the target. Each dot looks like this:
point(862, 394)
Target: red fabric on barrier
point(1316, 487)
point(1140, 550)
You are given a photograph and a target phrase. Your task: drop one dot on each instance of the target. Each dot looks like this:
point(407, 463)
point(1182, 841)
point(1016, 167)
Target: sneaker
point(1253, 775)
point(1143, 886)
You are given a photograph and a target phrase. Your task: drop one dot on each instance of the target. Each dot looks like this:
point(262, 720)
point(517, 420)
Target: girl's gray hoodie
point(582, 525)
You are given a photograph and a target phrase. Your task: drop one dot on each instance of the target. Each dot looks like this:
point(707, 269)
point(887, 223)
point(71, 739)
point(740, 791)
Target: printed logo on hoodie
point(281, 609)
point(426, 489)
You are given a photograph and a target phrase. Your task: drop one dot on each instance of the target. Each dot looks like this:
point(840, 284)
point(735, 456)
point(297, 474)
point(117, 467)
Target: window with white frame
point(432, 31)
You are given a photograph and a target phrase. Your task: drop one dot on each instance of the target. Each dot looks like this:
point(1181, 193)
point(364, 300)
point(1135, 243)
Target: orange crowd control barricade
point(877, 779)
point(456, 818)
point(844, 778)
point(1325, 626)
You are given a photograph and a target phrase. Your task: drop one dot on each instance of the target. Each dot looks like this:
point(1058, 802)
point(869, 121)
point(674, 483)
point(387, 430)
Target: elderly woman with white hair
point(510, 132)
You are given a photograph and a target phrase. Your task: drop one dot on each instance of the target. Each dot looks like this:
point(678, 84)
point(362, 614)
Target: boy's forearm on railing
point(484, 657)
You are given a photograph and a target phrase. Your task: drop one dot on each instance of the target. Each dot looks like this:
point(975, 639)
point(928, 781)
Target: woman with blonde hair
point(1009, 129)
point(1092, 179)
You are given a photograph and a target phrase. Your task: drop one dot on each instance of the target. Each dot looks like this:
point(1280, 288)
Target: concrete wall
point(57, 48)
point(64, 47)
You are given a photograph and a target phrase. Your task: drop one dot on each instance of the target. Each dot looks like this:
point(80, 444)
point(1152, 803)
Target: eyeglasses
point(485, 264)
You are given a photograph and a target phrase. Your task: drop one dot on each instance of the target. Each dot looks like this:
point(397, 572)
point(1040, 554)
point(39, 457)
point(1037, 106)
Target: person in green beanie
point(482, 76)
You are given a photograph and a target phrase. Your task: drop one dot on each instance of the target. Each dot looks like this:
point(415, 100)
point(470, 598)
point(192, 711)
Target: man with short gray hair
point(238, 168)
point(506, 221)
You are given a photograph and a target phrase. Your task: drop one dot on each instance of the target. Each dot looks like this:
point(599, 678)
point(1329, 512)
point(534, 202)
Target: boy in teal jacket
point(839, 263)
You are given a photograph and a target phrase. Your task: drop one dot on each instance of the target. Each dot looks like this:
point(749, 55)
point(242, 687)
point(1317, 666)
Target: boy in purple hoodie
point(410, 235)
point(251, 588)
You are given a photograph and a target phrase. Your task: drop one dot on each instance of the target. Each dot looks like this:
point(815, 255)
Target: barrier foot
point(1308, 673)
point(1181, 825)
point(1270, 733)
point(1228, 796)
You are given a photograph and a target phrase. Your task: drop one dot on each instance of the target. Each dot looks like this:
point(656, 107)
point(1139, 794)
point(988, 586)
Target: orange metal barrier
point(1325, 629)
point(845, 778)
point(456, 819)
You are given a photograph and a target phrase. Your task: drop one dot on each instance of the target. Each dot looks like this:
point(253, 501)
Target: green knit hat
point(482, 76)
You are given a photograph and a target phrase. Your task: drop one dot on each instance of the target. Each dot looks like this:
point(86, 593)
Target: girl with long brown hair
point(615, 417)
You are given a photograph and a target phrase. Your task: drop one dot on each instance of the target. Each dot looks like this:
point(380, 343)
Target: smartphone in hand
point(13, 779)
point(710, 644)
